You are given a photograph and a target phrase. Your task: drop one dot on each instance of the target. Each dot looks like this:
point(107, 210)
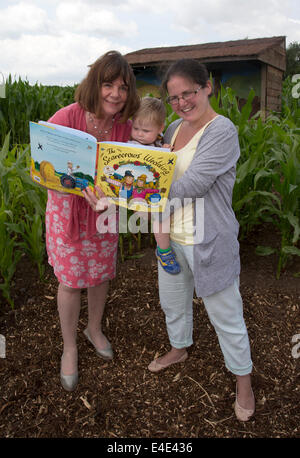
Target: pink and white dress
point(80, 256)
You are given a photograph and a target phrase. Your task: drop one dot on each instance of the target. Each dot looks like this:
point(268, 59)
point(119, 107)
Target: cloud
point(52, 59)
point(113, 3)
point(83, 16)
point(154, 6)
point(295, 21)
point(95, 20)
point(232, 19)
point(53, 41)
point(22, 18)
point(55, 47)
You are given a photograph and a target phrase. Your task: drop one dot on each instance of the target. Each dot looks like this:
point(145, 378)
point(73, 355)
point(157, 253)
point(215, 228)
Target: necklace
point(94, 124)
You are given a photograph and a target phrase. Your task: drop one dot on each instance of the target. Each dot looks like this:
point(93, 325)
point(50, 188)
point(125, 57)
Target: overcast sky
point(53, 41)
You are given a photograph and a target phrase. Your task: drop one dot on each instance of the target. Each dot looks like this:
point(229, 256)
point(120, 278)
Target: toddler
point(147, 125)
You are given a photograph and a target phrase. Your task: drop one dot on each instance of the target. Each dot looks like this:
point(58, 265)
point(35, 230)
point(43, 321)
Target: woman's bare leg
point(96, 305)
point(68, 302)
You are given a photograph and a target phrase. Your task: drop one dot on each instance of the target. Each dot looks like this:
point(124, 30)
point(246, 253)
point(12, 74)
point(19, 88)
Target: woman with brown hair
point(80, 256)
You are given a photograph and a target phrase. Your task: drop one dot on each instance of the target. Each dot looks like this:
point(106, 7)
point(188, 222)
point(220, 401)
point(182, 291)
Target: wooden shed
point(241, 64)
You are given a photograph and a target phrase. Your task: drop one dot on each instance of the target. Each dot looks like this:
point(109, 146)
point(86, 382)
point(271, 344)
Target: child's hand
point(165, 145)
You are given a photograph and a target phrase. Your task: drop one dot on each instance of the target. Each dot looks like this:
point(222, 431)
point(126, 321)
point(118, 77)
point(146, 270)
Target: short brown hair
point(152, 110)
point(107, 68)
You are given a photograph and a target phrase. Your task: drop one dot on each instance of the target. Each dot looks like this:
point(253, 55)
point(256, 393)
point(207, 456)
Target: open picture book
point(131, 175)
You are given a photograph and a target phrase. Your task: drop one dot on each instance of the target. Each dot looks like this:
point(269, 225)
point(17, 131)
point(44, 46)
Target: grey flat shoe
point(106, 353)
point(69, 382)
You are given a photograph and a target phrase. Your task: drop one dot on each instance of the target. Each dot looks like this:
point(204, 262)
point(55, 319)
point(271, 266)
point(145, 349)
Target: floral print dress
point(80, 256)
point(80, 263)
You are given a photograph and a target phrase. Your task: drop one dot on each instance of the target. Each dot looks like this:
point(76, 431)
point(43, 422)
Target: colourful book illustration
point(68, 160)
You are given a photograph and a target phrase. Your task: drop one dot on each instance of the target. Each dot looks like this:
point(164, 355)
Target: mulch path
point(122, 399)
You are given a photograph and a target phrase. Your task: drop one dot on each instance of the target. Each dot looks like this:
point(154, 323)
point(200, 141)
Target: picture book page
point(62, 159)
point(135, 176)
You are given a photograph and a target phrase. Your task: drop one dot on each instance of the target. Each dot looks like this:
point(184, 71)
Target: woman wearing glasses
point(207, 150)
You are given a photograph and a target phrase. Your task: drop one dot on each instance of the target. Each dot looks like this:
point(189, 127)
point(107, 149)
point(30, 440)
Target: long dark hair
point(187, 68)
point(106, 69)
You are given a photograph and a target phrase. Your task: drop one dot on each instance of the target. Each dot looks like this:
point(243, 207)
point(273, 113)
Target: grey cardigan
point(211, 175)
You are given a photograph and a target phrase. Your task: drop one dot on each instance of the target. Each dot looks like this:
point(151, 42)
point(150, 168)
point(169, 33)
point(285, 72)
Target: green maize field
point(267, 188)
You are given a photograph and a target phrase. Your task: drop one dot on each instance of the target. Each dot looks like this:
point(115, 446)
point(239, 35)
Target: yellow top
point(182, 220)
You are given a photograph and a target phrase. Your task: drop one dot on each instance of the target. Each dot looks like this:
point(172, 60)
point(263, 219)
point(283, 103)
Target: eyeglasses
point(186, 96)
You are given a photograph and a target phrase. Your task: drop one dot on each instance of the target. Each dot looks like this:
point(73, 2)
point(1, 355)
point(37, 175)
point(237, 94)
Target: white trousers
point(224, 309)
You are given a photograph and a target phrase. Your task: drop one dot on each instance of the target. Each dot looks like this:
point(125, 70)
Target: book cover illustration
point(62, 158)
point(135, 176)
point(131, 175)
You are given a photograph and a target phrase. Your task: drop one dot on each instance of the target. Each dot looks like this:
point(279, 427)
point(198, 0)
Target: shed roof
point(268, 50)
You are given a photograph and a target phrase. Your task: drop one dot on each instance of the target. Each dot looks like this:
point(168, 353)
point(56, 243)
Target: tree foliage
point(292, 59)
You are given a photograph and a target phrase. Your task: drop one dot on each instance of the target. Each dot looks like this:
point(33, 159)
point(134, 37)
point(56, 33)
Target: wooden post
point(263, 91)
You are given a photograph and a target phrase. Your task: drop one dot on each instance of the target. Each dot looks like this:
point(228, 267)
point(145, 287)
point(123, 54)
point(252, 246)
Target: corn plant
point(31, 241)
point(22, 205)
point(290, 113)
point(24, 103)
point(256, 143)
point(9, 256)
point(267, 178)
point(282, 173)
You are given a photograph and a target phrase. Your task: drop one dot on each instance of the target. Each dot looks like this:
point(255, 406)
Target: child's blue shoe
point(168, 262)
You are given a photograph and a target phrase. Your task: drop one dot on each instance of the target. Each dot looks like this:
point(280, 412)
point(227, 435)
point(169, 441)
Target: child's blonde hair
point(151, 110)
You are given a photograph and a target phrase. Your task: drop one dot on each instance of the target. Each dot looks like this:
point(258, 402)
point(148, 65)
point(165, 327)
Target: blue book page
point(70, 130)
point(57, 151)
